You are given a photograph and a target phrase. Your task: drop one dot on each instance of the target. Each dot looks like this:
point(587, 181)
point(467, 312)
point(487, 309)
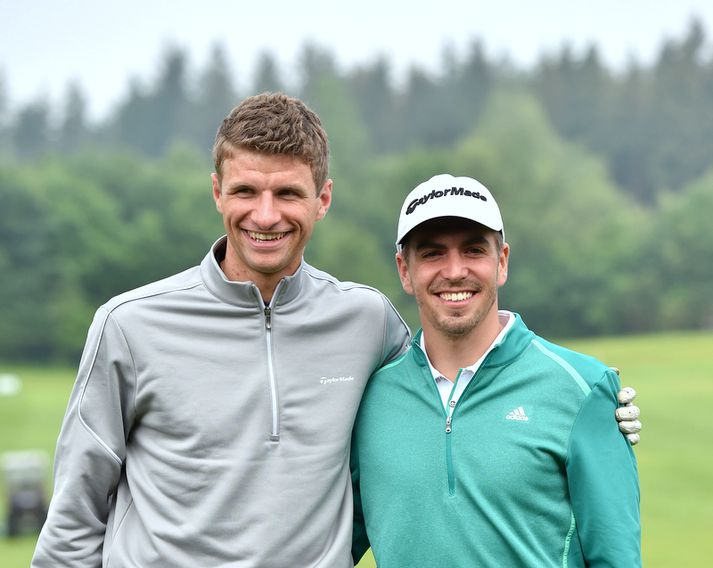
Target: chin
point(455, 330)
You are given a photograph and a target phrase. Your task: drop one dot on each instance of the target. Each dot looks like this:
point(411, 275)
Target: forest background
point(605, 179)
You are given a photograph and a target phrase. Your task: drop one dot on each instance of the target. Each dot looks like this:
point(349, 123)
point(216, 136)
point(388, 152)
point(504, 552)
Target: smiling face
point(269, 205)
point(454, 268)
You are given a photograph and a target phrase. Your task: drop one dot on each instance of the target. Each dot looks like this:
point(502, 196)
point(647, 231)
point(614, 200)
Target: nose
point(266, 214)
point(453, 266)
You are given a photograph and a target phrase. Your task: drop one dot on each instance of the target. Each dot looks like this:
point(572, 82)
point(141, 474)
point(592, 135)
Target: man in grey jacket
point(211, 417)
point(210, 421)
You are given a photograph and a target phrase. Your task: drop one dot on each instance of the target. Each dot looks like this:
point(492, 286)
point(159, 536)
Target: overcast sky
point(100, 44)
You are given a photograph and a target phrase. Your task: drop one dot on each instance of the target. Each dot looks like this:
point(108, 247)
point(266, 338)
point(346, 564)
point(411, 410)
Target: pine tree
point(73, 131)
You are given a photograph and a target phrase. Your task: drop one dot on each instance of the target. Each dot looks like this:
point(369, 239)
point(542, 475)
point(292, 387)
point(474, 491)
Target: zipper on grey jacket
point(275, 430)
point(271, 378)
point(268, 321)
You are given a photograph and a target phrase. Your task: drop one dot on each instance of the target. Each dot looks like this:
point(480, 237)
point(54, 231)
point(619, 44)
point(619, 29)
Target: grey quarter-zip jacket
point(206, 429)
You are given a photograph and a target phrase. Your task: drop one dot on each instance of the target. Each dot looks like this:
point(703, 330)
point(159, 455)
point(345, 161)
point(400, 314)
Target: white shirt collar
point(507, 320)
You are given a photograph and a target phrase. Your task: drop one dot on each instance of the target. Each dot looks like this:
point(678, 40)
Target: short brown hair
point(273, 123)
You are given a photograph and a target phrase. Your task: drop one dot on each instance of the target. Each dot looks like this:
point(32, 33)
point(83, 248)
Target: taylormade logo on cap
point(435, 194)
point(447, 196)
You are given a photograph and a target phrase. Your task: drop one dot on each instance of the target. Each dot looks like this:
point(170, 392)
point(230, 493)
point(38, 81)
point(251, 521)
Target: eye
point(289, 193)
point(242, 191)
point(430, 253)
point(477, 250)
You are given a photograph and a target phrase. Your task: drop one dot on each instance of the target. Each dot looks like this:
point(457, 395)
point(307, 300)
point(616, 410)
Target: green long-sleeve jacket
point(531, 471)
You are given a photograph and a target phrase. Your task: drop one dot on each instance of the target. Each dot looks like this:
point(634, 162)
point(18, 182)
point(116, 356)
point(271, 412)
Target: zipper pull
point(448, 425)
point(268, 321)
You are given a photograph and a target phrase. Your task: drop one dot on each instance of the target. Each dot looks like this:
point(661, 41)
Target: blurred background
point(592, 125)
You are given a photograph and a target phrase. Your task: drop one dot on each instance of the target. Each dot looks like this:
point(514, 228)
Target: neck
point(450, 353)
point(266, 284)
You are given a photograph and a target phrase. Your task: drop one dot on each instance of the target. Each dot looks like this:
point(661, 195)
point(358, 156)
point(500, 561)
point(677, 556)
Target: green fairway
point(673, 374)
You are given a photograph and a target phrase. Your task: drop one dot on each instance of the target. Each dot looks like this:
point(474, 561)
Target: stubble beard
point(458, 325)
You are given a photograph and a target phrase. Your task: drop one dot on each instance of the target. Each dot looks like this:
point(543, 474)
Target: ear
point(216, 192)
point(325, 199)
point(404, 275)
point(503, 264)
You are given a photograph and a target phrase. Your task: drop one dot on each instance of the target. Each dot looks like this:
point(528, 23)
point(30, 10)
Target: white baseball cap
point(446, 196)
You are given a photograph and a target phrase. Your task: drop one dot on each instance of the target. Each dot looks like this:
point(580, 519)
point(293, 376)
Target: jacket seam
point(571, 371)
point(344, 286)
point(396, 361)
point(133, 368)
point(150, 295)
point(86, 426)
point(568, 540)
point(384, 329)
point(119, 526)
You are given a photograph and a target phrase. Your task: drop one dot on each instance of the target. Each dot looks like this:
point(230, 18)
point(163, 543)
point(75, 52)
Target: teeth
point(265, 236)
point(455, 296)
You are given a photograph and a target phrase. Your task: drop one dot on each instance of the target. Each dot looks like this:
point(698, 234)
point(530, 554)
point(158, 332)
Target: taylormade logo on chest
point(440, 193)
point(331, 380)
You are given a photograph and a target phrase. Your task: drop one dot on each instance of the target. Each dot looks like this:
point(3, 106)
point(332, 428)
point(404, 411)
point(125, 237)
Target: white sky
point(100, 44)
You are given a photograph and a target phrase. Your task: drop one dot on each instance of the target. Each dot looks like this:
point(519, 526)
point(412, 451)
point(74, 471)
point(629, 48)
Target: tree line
point(604, 178)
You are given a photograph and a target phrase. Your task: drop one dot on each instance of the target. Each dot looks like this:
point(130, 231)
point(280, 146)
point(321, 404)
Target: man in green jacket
point(484, 444)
